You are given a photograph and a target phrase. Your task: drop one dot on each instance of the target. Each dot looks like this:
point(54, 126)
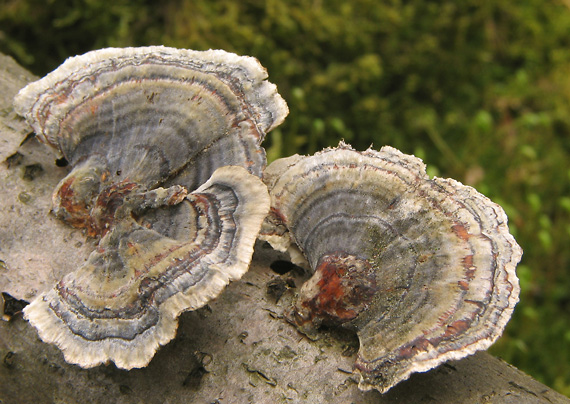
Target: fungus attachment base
point(341, 287)
point(423, 269)
point(123, 303)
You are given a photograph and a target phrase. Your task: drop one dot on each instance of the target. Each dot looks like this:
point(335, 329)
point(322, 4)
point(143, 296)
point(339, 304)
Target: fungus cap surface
point(140, 118)
point(422, 269)
point(124, 302)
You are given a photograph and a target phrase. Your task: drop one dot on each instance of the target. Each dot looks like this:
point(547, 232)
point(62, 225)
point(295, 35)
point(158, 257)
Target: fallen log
point(238, 349)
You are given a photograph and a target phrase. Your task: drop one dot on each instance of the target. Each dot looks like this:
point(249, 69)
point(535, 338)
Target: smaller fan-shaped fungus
point(422, 269)
point(123, 303)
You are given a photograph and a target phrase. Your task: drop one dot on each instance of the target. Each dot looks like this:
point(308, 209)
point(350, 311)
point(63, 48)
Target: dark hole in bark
point(32, 171)
point(194, 378)
point(62, 162)
point(12, 305)
point(29, 136)
point(282, 267)
point(276, 288)
point(14, 160)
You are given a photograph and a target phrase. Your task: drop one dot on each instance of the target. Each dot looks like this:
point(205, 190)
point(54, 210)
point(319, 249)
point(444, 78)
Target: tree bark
point(238, 349)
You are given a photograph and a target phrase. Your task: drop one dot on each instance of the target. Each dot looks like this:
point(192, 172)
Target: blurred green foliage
point(479, 90)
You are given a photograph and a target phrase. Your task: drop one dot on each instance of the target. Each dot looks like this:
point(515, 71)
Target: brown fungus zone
point(165, 152)
point(422, 269)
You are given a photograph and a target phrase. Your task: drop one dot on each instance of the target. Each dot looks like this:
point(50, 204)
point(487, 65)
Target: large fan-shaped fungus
point(141, 127)
point(423, 269)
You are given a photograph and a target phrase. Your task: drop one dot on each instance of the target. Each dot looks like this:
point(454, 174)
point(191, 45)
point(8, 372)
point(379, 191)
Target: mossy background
point(480, 91)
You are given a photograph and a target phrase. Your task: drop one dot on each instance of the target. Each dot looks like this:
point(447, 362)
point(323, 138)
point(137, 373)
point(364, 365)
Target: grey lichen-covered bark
point(239, 349)
point(35, 247)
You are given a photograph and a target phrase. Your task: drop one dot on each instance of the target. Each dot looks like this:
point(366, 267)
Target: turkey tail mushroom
point(139, 118)
point(124, 302)
point(165, 150)
point(422, 269)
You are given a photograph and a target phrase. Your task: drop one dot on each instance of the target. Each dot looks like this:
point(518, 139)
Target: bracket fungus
point(422, 269)
point(137, 118)
point(123, 303)
point(164, 146)
point(165, 152)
